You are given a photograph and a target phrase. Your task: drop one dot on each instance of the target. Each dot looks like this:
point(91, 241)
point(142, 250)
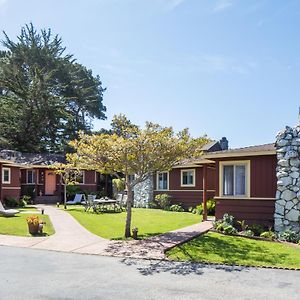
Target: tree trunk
point(128, 216)
point(65, 196)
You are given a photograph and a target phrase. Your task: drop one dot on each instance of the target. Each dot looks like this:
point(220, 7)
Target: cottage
point(31, 174)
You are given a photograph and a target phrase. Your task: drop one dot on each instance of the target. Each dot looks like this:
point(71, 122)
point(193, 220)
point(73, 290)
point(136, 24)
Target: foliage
point(176, 207)
point(225, 224)
point(34, 220)
point(46, 97)
point(196, 210)
point(149, 221)
point(216, 248)
point(134, 151)
point(243, 225)
point(13, 202)
point(268, 234)
point(119, 184)
point(163, 201)
point(248, 232)
point(72, 190)
point(257, 229)
point(211, 205)
point(26, 199)
point(288, 236)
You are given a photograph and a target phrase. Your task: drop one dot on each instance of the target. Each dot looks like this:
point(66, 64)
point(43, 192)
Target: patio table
point(103, 204)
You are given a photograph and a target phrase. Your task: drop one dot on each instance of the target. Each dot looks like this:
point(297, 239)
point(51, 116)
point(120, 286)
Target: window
point(187, 177)
point(234, 178)
point(163, 180)
point(30, 176)
point(6, 175)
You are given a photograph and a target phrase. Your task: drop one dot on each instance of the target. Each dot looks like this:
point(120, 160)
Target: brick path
point(70, 236)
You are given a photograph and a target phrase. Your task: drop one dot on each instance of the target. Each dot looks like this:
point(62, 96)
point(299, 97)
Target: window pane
point(163, 181)
point(228, 180)
point(240, 180)
point(30, 176)
point(188, 177)
point(6, 175)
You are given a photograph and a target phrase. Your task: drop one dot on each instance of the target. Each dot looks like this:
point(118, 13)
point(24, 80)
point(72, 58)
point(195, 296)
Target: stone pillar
point(287, 205)
point(143, 192)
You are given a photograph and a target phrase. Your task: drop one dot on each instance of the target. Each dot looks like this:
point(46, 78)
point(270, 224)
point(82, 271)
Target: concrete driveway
point(39, 274)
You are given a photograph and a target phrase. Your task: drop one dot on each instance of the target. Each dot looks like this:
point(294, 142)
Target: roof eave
point(239, 154)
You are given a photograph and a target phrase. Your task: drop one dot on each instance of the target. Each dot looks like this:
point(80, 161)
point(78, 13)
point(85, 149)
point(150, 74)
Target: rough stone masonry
point(287, 205)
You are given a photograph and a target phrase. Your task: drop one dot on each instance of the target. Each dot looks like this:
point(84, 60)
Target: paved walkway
point(70, 236)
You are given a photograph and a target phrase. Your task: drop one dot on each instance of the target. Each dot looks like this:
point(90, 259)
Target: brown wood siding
point(252, 211)
point(186, 198)
point(14, 188)
point(89, 177)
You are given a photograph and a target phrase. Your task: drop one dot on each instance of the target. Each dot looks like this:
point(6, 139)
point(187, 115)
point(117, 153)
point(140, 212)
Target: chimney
point(224, 143)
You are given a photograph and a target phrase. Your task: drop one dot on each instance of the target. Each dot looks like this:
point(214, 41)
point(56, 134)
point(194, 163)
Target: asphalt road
point(39, 274)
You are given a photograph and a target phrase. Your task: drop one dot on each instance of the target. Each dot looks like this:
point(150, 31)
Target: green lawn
point(18, 226)
point(149, 221)
point(218, 248)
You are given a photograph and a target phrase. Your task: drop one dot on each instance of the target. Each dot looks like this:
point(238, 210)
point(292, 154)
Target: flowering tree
point(134, 151)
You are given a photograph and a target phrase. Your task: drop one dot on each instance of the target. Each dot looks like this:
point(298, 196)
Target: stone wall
point(143, 193)
point(287, 206)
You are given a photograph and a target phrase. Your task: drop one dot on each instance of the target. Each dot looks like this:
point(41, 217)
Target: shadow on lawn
point(153, 267)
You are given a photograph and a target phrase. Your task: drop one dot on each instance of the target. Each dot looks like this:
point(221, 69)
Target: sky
point(219, 67)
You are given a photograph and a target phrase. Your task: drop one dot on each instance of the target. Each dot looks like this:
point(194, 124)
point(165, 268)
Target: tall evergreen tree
point(46, 97)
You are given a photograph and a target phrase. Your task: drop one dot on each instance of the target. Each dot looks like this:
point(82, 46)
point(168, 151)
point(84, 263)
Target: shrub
point(199, 209)
point(163, 201)
point(268, 235)
point(176, 207)
point(289, 236)
point(11, 202)
point(248, 232)
point(225, 224)
point(211, 205)
point(72, 190)
point(118, 184)
point(243, 225)
point(257, 229)
point(26, 199)
point(191, 209)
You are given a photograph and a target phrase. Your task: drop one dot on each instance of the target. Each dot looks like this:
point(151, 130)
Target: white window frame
point(157, 181)
point(194, 177)
point(9, 175)
point(34, 177)
point(235, 163)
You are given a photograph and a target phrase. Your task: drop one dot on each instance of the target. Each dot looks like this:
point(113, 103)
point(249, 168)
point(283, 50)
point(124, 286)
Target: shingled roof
point(264, 149)
point(35, 159)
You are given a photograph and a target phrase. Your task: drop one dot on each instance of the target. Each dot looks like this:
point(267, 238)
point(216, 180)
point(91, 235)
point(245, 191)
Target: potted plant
point(34, 224)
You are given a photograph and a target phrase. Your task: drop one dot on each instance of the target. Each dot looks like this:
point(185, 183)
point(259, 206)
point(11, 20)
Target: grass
point(148, 221)
point(216, 248)
point(18, 226)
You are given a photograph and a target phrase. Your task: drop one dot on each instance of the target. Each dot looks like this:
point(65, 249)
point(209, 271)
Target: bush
point(163, 201)
point(248, 232)
point(176, 207)
point(199, 209)
point(225, 224)
point(211, 205)
point(26, 199)
point(72, 190)
point(229, 229)
point(289, 236)
point(11, 202)
point(257, 229)
point(268, 235)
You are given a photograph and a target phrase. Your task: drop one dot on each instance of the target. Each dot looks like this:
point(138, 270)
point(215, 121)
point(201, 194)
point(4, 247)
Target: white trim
point(157, 177)
point(247, 179)
point(9, 175)
point(10, 188)
point(243, 198)
point(239, 154)
point(194, 178)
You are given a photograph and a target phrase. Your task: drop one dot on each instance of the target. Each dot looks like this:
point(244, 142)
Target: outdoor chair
point(7, 212)
point(121, 200)
point(77, 199)
point(89, 202)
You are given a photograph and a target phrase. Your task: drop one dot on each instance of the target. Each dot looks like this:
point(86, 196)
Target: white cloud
point(222, 5)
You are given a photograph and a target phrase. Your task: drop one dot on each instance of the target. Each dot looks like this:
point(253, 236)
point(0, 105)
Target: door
point(50, 182)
